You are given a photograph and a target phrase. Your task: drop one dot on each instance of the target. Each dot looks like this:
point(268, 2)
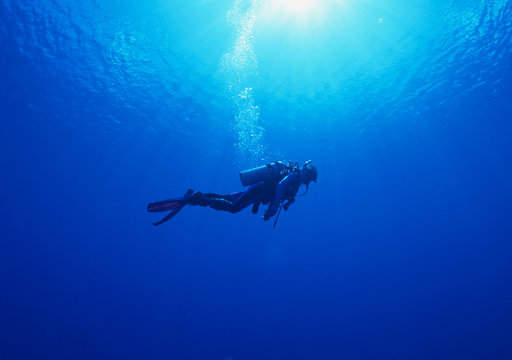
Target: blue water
point(402, 250)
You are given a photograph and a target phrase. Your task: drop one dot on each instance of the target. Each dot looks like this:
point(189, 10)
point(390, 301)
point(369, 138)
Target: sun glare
point(298, 7)
point(298, 11)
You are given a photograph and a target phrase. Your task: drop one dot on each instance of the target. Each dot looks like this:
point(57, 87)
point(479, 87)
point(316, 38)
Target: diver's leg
point(233, 202)
point(253, 195)
point(215, 201)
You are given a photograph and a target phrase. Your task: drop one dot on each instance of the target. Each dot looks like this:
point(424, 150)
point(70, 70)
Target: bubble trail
point(239, 67)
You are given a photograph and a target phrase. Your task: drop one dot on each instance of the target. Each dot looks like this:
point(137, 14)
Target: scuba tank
point(268, 172)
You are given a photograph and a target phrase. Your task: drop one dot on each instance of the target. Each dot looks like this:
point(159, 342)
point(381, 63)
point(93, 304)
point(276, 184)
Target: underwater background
point(402, 250)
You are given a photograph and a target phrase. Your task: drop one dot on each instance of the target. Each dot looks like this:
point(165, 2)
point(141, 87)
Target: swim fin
point(166, 205)
point(169, 216)
point(174, 205)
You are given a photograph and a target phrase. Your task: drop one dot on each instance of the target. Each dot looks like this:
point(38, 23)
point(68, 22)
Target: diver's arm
point(281, 187)
point(288, 203)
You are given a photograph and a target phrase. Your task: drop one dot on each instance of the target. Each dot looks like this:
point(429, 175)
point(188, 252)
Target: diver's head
point(308, 173)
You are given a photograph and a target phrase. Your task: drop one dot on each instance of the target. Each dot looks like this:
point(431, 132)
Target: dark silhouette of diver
point(275, 184)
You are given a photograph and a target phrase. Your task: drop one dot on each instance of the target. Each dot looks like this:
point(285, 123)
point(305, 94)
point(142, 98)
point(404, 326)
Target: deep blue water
point(402, 250)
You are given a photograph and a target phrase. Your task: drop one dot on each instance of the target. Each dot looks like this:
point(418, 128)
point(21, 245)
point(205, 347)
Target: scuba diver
point(275, 184)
